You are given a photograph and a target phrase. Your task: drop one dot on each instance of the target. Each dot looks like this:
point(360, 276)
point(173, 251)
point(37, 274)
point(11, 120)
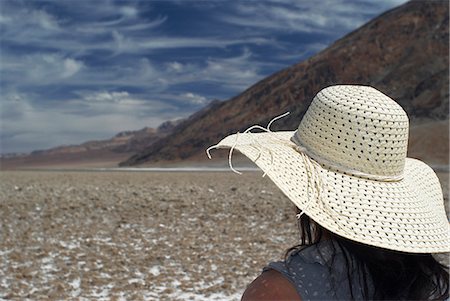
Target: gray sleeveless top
point(308, 270)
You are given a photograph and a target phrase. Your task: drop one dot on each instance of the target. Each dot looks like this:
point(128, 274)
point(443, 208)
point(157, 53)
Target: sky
point(73, 71)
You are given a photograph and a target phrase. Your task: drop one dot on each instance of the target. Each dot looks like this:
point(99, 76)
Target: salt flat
point(138, 235)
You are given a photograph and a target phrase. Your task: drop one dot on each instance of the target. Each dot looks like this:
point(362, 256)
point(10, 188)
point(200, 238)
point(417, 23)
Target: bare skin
point(270, 285)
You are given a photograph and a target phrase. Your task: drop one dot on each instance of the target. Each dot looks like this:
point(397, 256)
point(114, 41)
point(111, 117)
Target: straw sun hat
point(346, 168)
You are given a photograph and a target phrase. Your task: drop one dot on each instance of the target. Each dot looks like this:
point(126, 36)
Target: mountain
point(403, 53)
point(92, 153)
point(137, 141)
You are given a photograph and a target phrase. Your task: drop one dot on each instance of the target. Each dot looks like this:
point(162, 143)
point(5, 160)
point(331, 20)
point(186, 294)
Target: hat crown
point(357, 130)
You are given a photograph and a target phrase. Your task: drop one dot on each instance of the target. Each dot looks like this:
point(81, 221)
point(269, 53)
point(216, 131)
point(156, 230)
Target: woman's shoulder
point(308, 273)
point(283, 280)
point(271, 285)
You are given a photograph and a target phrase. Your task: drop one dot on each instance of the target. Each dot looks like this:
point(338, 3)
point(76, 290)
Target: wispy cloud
point(304, 16)
point(50, 67)
point(233, 73)
point(194, 98)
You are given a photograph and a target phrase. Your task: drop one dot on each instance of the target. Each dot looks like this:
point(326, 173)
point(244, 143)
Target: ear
point(270, 285)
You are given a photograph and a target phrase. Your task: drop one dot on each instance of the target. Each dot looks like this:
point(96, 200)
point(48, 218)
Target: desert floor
point(139, 235)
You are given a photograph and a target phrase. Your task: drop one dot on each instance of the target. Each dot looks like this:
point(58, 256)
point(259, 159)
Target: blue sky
point(73, 71)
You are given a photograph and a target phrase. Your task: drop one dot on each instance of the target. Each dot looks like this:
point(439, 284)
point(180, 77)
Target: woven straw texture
point(346, 168)
point(357, 128)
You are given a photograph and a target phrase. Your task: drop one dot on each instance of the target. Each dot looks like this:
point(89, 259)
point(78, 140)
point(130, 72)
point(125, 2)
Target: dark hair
point(395, 275)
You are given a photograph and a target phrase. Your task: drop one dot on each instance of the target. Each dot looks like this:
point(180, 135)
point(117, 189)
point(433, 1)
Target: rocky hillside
point(403, 53)
point(112, 150)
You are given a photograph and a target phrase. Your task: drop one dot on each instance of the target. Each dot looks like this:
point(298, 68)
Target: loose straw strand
point(275, 119)
point(230, 155)
point(258, 146)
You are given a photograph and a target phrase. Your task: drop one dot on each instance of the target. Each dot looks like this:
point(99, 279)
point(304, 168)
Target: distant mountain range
point(403, 53)
point(106, 152)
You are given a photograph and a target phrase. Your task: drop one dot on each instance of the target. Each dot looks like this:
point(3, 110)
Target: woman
point(369, 217)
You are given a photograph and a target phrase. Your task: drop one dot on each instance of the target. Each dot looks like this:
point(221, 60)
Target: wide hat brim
point(407, 215)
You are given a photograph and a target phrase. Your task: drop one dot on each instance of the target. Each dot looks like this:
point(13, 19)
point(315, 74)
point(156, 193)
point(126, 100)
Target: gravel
point(138, 236)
